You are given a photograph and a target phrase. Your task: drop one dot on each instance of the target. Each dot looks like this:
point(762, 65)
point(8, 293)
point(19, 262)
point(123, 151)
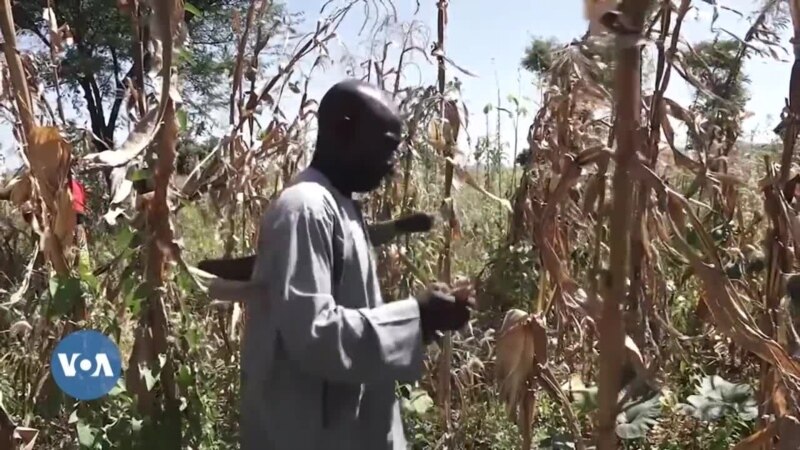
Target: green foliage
point(638, 417)
point(716, 64)
point(717, 397)
point(483, 425)
point(512, 277)
point(539, 55)
point(103, 53)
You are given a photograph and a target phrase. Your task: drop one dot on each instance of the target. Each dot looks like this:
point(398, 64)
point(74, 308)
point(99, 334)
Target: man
point(322, 351)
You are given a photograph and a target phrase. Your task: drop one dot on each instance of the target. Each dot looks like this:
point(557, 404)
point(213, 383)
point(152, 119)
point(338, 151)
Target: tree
point(539, 55)
point(94, 71)
point(715, 63)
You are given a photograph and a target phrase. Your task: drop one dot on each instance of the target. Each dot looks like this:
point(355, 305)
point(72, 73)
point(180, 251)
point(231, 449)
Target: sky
point(489, 40)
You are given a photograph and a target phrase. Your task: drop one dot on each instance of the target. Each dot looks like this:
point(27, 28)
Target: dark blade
point(238, 269)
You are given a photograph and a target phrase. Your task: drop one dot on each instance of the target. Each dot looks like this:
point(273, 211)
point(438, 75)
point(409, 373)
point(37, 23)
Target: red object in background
point(78, 197)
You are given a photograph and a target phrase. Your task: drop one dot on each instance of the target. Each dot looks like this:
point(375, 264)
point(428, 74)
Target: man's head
point(359, 134)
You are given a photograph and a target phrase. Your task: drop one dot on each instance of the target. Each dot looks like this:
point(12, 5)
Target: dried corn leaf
point(724, 304)
point(521, 342)
point(592, 192)
point(21, 189)
point(634, 356)
point(50, 158)
point(436, 136)
point(65, 220)
point(465, 177)
point(550, 384)
point(16, 297)
point(26, 437)
point(54, 252)
point(121, 186)
point(139, 138)
point(453, 124)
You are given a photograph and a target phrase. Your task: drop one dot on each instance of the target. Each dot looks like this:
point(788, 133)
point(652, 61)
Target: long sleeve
point(340, 344)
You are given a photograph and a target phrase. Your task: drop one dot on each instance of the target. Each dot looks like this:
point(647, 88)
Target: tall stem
point(18, 79)
point(445, 267)
point(612, 335)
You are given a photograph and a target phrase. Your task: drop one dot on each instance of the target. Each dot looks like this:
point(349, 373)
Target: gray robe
point(319, 368)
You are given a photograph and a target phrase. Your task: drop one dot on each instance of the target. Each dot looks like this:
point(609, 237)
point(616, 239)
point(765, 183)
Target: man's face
point(375, 152)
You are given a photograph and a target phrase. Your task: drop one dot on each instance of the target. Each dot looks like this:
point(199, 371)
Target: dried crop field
point(634, 259)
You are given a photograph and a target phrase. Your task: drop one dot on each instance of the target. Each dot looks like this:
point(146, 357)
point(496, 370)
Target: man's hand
point(444, 309)
point(223, 291)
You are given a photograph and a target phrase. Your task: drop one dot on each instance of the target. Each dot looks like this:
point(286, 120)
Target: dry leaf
point(465, 177)
point(20, 328)
point(21, 190)
point(521, 342)
point(50, 158)
point(65, 220)
point(139, 138)
point(26, 436)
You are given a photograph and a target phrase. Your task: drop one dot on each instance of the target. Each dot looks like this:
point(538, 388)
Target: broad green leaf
point(124, 238)
point(86, 435)
point(418, 403)
point(636, 419)
point(73, 417)
point(119, 388)
point(63, 292)
point(716, 397)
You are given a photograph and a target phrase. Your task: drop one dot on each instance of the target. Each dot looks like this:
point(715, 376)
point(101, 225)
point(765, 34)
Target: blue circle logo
point(86, 364)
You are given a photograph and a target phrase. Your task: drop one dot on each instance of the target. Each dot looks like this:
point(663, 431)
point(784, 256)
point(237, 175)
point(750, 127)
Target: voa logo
point(86, 364)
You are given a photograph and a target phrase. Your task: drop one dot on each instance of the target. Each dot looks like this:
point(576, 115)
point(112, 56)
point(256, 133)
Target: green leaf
point(86, 435)
point(136, 425)
point(636, 419)
point(188, 7)
point(135, 296)
point(85, 271)
point(715, 397)
point(124, 238)
point(63, 292)
point(419, 402)
point(139, 175)
point(118, 389)
point(183, 119)
point(184, 376)
point(73, 417)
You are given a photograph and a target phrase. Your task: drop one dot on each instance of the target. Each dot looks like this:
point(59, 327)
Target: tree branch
point(115, 60)
point(96, 120)
point(111, 126)
point(98, 103)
